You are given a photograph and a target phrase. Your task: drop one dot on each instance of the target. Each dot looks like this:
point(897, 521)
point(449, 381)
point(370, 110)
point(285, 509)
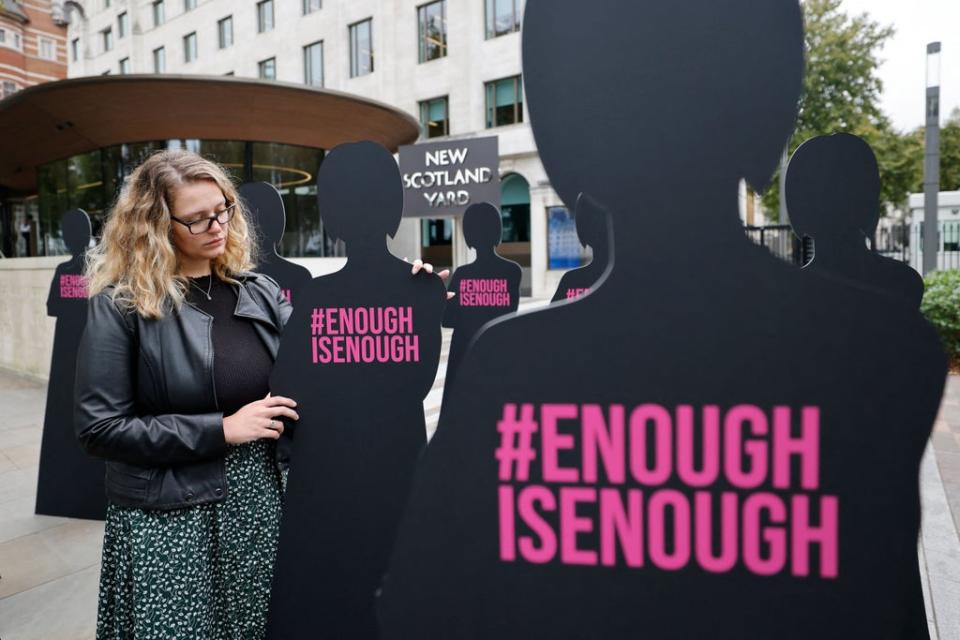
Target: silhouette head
point(76, 230)
point(482, 226)
point(360, 193)
point(654, 94)
point(265, 205)
point(592, 224)
point(833, 187)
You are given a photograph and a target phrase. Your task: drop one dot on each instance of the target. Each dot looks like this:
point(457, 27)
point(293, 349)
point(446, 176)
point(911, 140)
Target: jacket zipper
point(216, 401)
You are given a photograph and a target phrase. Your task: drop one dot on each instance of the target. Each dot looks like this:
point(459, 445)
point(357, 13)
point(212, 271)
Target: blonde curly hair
point(136, 254)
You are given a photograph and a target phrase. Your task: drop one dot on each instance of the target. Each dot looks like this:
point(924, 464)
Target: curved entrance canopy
point(56, 120)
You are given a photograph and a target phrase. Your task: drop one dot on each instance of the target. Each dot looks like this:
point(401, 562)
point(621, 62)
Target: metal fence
point(905, 242)
point(894, 242)
point(780, 240)
point(902, 241)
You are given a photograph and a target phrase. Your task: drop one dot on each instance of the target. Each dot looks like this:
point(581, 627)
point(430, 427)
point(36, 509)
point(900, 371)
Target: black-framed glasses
point(205, 224)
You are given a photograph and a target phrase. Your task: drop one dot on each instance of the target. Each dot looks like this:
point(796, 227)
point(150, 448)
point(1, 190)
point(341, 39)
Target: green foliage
point(949, 154)
point(841, 93)
point(941, 306)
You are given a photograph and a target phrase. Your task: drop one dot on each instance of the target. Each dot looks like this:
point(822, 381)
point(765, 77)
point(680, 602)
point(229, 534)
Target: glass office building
point(92, 181)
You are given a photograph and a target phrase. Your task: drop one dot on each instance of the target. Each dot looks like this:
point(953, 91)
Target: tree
point(950, 153)
point(841, 93)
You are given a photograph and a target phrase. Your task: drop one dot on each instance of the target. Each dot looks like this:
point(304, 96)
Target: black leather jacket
point(143, 394)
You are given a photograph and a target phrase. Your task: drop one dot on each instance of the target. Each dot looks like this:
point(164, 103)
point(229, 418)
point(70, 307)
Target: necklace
point(209, 287)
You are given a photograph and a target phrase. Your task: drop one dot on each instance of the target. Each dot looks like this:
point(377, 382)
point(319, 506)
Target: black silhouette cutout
point(833, 195)
point(566, 495)
point(358, 355)
point(593, 229)
point(70, 483)
point(486, 289)
point(265, 205)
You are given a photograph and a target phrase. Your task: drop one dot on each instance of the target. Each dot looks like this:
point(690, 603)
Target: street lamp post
point(931, 163)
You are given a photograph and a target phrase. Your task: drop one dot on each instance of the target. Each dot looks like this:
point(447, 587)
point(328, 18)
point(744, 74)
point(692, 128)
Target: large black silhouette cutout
point(359, 354)
point(593, 229)
point(696, 336)
point(833, 195)
point(70, 483)
point(486, 289)
point(265, 205)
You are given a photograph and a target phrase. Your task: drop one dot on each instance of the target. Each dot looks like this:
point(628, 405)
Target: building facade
point(453, 64)
point(32, 44)
point(33, 50)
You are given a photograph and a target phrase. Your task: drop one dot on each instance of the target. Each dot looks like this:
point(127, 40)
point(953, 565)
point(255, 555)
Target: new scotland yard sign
point(442, 179)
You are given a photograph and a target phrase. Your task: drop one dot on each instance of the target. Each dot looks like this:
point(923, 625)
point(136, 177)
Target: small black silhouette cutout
point(486, 289)
point(359, 355)
point(265, 205)
point(833, 195)
point(720, 449)
point(593, 229)
point(70, 483)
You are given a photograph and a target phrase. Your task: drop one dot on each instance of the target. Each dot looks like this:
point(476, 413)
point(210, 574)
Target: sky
point(917, 22)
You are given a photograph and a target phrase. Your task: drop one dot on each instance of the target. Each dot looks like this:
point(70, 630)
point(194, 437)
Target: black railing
point(780, 240)
point(905, 242)
point(902, 241)
point(894, 242)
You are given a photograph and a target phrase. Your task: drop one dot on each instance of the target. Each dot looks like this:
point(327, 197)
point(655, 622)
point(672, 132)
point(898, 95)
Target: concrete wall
point(26, 332)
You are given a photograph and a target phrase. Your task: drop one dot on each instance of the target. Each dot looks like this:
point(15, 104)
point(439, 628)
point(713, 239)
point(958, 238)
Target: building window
point(11, 39)
point(75, 49)
point(504, 102)
point(159, 60)
point(267, 69)
point(225, 32)
point(515, 211)
point(106, 4)
point(189, 5)
point(124, 66)
point(264, 16)
point(433, 117)
point(190, 47)
point(159, 14)
point(436, 237)
point(313, 64)
point(123, 24)
point(309, 6)
point(106, 37)
point(433, 30)
point(361, 48)
point(503, 17)
point(9, 88)
point(47, 49)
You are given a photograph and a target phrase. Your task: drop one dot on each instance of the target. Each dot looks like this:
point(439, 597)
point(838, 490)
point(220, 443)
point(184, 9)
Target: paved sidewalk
point(49, 567)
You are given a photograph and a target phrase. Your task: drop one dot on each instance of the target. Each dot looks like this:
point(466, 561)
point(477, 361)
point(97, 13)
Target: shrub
point(941, 306)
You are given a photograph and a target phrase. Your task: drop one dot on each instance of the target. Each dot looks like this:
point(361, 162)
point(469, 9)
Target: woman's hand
point(426, 266)
point(258, 420)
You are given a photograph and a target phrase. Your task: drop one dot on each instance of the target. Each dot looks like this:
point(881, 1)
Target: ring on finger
point(273, 425)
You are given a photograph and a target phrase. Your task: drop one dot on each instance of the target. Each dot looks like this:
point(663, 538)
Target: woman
point(171, 390)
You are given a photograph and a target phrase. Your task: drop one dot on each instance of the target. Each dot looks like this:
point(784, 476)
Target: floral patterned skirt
point(200, 573)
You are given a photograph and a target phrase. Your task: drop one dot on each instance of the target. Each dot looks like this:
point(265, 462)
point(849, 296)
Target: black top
point(241, 361)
